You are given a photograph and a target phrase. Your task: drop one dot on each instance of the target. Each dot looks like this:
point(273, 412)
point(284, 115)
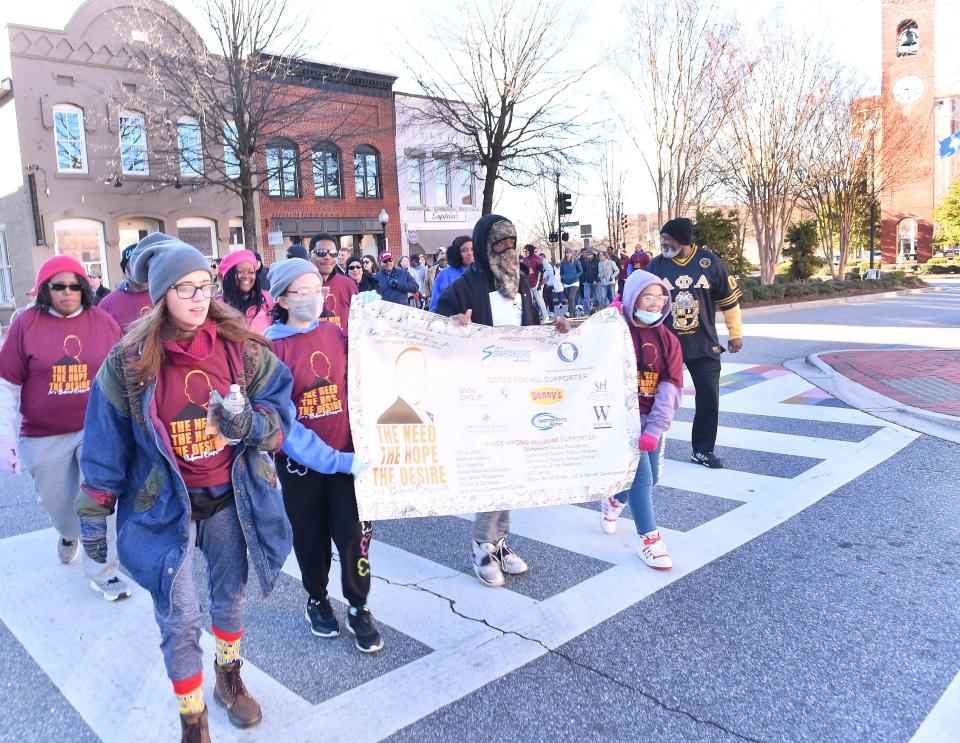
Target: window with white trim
point(189, 147)
point(82, 240)
point(467, 197)
point(415, 180)
point(69, 139)
point(6, 272)
point(366, 172)
point(133, 144)
point(231, 154)
point(442, 182)
point(282, 165)
point(326, 171)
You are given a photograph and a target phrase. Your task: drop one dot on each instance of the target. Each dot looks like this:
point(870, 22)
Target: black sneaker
point(360, 623)
point(707, 459)
point(322, 621)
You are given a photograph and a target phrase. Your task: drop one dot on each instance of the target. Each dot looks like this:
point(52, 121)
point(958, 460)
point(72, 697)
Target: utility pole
point(559, 217)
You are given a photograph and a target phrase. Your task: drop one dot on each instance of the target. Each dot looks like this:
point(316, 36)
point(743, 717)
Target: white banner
point(452, 419)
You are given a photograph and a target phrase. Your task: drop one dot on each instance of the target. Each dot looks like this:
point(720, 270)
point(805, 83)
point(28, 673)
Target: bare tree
point(500, 89)
point(236, 96)
point(843, 170)
point(612, 178)
point(785, 90)
point(677, 63)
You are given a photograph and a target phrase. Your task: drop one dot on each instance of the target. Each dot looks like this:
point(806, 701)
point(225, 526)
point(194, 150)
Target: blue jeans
point(221, 540)
point(607, 293)
point(588, 292)
point(640, 494)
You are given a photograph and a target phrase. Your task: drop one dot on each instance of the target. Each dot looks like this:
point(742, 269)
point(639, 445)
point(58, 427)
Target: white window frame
point(142, 148)
point(231, 161)
point(232, 224)
point(80, 221)
point(7, 295)
point(467, 179)
point(68, 109)
point(191, 170)
point(202, 223)
point(442, 167)
point(415, 168)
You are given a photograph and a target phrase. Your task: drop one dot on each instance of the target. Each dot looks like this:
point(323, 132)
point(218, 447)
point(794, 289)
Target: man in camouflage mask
point(504, 259)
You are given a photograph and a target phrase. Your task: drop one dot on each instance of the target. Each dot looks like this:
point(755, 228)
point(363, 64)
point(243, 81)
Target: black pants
point(321, 508)
point(548, 296)
point(705, 373)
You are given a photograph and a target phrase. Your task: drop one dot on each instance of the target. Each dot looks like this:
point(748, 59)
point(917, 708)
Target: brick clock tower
point(907, 93)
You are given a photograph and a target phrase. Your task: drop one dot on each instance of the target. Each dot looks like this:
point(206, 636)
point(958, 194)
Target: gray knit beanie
point(161, 260)
point(284, 273)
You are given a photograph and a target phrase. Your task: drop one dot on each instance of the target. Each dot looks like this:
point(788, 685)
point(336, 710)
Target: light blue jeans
point(640, 494)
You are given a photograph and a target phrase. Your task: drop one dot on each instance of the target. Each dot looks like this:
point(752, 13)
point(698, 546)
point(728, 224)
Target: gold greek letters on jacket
point(683, 281)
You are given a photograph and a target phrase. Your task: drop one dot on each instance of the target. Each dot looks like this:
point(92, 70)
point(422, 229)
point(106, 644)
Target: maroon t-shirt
point(336, 310)
point(640, 260)
point(623, 263)
point(182, 395)
point(318, 362)
point(54, 360)
point(659, 358)
point(126, 307)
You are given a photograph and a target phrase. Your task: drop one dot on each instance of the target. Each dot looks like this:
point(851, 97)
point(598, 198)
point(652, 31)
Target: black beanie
point(680, 229)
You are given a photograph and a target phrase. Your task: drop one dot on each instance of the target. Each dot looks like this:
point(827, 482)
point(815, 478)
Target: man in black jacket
point(491, 292)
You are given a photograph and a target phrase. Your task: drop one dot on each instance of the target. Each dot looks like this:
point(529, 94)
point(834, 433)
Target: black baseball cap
point(125, 256)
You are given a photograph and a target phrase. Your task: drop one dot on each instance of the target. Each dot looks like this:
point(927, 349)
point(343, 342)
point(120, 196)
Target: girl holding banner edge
point(646, 304)
point(321, 506)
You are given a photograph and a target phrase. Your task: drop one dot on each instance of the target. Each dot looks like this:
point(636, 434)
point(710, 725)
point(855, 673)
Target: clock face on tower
point(908, 89)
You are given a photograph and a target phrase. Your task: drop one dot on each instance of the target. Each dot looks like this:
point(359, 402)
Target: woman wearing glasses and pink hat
point(242, 290)
point(47, 365)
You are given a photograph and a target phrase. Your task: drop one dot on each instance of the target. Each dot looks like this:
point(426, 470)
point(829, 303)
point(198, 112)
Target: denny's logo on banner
point(452, 419)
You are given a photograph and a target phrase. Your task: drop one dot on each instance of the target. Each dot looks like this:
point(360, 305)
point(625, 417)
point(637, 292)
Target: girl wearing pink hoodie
point(242, 290)
point(646, 304)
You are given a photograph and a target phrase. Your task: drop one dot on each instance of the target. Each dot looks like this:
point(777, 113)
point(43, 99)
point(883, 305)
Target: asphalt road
point(819, 603)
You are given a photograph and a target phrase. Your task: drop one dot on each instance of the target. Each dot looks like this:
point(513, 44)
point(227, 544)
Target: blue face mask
point(647, 318)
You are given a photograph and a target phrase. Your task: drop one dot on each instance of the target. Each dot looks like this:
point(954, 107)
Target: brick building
point(336, 169)
point(84, 172)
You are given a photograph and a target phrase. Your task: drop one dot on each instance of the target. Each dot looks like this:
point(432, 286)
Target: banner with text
point(452, 419)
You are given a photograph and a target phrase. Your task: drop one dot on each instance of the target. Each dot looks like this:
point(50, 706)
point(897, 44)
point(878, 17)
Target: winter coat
point(396, 285)
point(570, 272)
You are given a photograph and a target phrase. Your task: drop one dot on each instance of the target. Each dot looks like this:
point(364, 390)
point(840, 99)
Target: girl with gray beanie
point(184, 472)
point(321, 505)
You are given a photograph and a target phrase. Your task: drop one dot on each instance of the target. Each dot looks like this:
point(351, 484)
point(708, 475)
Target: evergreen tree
point(721, 234)
point(802, 239)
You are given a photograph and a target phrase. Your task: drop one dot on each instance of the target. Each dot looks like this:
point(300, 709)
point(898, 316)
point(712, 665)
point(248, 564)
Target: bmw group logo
point(568, 352)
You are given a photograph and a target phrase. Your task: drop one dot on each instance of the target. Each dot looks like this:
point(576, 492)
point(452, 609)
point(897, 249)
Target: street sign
point(586, 230)
point(569, 224)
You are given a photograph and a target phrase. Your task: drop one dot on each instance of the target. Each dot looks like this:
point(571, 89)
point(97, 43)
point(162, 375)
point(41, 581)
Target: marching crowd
point(205, 409)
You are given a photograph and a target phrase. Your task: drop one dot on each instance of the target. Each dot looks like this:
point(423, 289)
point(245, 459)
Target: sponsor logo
point(601, 416)
point(546, 421)
point(496, 352)
point(599, 386)
point(546, 395)
point(568, 352)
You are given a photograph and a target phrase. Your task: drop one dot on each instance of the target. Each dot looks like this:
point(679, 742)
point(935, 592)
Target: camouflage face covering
point(500, 231)
point(505, 266)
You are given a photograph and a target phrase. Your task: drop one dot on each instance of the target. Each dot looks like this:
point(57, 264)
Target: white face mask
point(307, 309)
point(647, 318)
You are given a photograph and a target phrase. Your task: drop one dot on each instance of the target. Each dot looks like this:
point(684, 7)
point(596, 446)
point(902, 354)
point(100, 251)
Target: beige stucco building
point(82, 170)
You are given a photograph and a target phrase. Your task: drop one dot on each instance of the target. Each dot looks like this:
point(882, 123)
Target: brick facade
point(352, 108)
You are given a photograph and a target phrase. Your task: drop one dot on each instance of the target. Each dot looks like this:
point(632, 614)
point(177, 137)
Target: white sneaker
point(654, 552)
point(112, 589)
point(610, 511)
point(510, 562)
point(67, 551)
point(485, 564)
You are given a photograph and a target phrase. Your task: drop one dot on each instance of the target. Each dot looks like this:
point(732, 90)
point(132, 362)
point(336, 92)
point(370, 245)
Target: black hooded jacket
point(472, 290)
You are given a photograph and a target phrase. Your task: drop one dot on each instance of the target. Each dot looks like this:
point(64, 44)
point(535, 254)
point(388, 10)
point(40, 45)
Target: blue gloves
point(93, 537)
point(357, 466)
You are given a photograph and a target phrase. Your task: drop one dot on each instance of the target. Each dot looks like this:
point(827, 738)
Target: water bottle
point(234, 402)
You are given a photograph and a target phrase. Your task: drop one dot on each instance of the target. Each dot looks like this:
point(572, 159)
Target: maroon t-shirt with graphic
point(318, 362)
point(54, 360)
point(336, 309)
point(658, 359)
point(126, 307)
point(182, 395)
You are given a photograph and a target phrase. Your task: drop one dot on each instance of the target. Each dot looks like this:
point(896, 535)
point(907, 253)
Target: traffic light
point(565, 236)
point(623, 222)
point(563, 201)
point(552, 237)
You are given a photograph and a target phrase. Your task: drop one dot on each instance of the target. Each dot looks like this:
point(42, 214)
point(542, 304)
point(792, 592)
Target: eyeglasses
point(387, 260)
point(322, 252)
point(304, 293)
point(356, 267)
point(653, 299)
point(189, 291)
point(65, 287)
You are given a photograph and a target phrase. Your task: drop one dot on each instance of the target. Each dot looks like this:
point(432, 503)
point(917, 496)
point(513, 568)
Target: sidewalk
point(916, 388)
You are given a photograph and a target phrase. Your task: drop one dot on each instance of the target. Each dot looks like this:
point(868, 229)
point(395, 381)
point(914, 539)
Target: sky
point(378, 34)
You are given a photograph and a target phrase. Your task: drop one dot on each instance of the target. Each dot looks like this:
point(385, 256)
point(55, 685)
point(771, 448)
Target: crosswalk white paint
point(104, 657)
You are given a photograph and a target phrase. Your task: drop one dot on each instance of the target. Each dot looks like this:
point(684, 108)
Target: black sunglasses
point(322, 252)
point(355, 267)
point(64, 287)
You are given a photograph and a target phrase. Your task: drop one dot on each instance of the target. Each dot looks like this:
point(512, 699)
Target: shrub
point(938, 260)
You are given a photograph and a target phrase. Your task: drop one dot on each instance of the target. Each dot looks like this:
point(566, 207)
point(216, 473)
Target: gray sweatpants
point(490, 526)
point(54, 464)
point(221, 540)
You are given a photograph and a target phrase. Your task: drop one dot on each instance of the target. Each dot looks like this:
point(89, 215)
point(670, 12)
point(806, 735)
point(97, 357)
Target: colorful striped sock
point(228, 645)
point(190, 695)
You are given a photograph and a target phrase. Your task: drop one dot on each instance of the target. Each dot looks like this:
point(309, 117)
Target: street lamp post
point(873, 195)
point(384, 218)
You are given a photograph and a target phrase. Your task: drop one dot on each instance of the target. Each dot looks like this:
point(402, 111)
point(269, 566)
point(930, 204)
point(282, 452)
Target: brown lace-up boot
point(242, 708)
point(194, 729)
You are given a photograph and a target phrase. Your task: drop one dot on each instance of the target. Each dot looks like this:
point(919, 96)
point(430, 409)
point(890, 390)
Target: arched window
point(82, 239)
point(133, 144)
point(69, 139)
point(189, 146)
point(366, 172)
point(907, 238)
point(282, 163)
point(326, 171)
point(908, 38)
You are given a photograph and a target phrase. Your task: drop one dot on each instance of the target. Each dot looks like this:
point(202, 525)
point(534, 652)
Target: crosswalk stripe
point(766, 441)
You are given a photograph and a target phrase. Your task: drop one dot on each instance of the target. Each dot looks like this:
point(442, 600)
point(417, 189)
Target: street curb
point(819, 372)
point(856, 299)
